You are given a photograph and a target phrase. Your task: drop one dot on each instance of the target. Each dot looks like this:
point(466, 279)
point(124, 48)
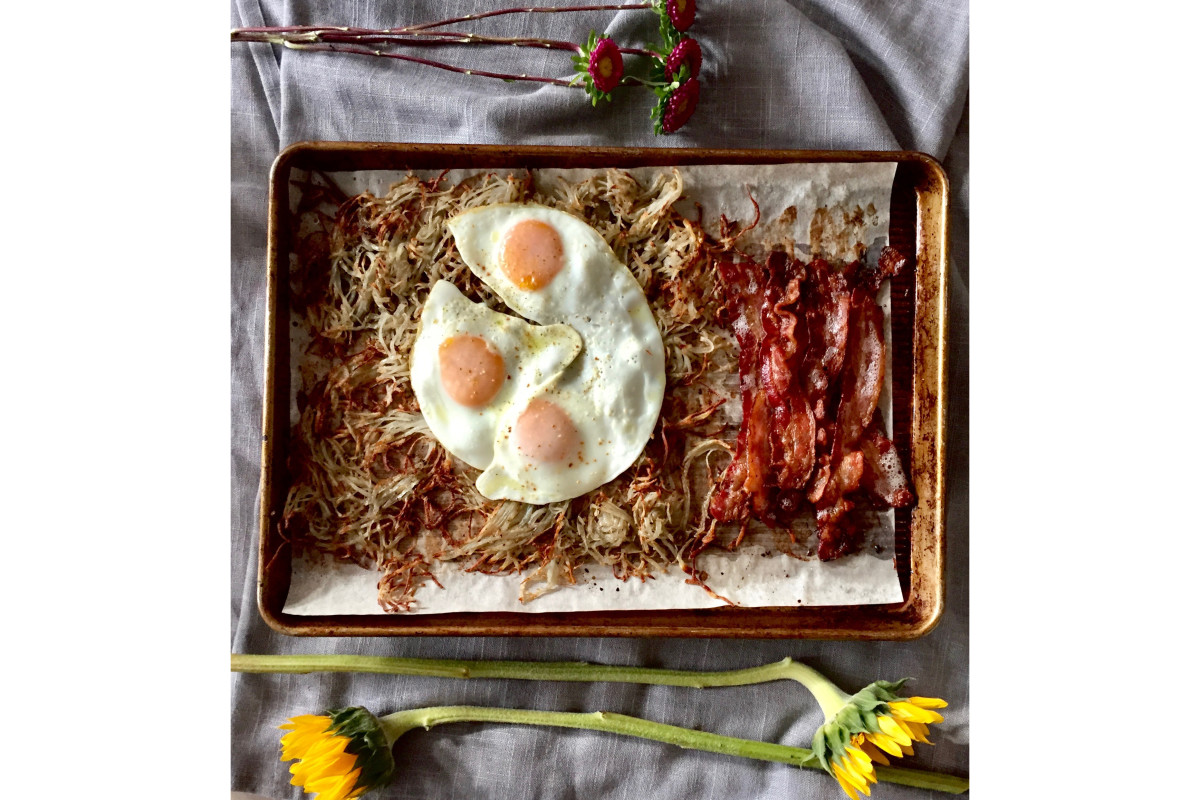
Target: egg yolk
point(532, 254)
point(545, 433)
point(472, 371)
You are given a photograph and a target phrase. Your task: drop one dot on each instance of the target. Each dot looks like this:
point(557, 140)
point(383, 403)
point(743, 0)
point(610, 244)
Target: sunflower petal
point(885, 743)
point(336, 787)
point(853, 779)
point(315, 722)
point(862, 761)
point(875, 754)
point(906, 727)
point(865, 770)
point(910, 713)
point(301, 741)
point(920, 732)
point(846, 787)
point(894, 729)
point(322, 766)
point(331, 764)
point(928, 702)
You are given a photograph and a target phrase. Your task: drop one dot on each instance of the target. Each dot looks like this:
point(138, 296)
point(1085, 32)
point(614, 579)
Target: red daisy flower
point(686, 52)
point(682, 13)
point(681, 105)
point(605, 65)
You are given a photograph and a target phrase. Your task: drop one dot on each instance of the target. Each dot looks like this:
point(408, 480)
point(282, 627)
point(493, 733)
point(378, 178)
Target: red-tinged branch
point(291, 36)
point(309, 35)
point(425, 26)
point(534, 10)
point(302, 29)
point(364, 51)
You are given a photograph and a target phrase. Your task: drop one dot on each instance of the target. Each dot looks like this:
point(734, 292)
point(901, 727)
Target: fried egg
point(470, 364)
point(588, 424)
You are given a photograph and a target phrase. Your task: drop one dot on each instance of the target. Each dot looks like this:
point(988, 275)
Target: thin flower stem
point(310, 34)
point(447, 37)
point(537, 10)
point(633, 80)
point(397, 724)
point(922, 779)
point(575, 671)
point(239, 34)
point(829, 696)
point(365, 51)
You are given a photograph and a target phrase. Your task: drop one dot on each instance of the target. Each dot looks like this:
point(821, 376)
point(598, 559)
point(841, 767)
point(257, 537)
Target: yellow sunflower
point(338, 755)
point(865, 728)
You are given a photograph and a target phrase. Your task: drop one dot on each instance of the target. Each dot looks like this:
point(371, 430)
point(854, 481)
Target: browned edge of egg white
point(920, 229)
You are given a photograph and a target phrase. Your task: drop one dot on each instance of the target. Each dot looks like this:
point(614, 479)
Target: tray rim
point(913, 618)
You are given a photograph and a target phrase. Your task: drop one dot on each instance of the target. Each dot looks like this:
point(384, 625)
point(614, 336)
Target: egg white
point(533, 356)
point(613, 390)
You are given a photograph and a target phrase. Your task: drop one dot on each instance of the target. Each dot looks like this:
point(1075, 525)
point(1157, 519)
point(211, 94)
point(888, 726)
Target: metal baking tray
point(919, 229)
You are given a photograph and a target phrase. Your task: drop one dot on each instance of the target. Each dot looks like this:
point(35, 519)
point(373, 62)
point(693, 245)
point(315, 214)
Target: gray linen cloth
point(837, 74)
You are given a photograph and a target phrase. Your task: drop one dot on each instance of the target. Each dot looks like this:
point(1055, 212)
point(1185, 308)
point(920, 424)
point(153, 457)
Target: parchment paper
point(853, 203)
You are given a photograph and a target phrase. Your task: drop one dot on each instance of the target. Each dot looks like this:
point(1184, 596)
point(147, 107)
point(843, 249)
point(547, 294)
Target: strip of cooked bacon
point(811, 370)
point(776, 446)
point(891, 261)
point(745, 283)
point(835, 536)
point(883, 474)
point(731, 499)
point(862, 379)
point(796, 436)
point(758, 456)
point(827, 310)
point(793, 444)
point(861, 383)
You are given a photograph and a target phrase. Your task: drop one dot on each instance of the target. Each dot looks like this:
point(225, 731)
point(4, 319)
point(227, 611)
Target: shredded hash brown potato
point(371, 485)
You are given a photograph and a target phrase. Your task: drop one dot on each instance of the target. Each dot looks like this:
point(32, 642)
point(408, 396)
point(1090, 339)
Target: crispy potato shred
point(371, 485)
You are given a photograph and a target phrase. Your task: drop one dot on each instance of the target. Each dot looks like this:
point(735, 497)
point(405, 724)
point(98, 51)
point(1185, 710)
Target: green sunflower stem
point(573, 671)
point(397, 724)
point(922, 779)
point(427, 718)
point(829, 696)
